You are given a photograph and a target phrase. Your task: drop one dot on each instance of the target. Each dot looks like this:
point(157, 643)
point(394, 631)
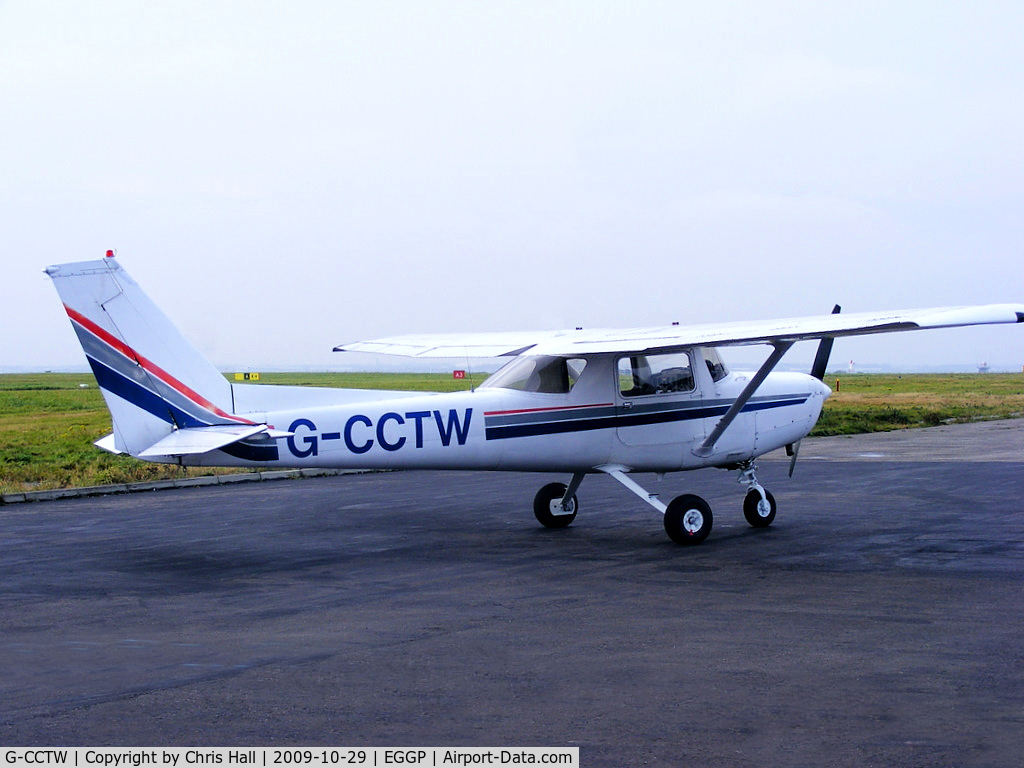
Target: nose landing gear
point(759, 505)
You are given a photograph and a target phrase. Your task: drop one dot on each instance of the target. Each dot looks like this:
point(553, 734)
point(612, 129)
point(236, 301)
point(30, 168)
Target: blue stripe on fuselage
point(657, 414)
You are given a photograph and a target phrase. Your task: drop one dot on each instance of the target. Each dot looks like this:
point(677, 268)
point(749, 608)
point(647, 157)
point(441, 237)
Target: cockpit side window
point(655, 374)
point(550, 375)
point(715, 365)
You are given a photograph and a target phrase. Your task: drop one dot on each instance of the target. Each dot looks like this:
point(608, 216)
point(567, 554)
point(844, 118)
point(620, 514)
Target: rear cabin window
point(550, 375)
point(655, 374)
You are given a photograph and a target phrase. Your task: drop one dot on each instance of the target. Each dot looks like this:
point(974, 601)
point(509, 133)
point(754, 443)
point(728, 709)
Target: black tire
point(688, 519)
point(754, 512)
point(545, 499)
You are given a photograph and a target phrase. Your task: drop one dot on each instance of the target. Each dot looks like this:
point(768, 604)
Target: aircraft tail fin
point(153, 380)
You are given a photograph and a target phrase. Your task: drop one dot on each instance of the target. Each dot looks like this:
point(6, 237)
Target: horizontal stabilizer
point(198, 440)
point(107, 444)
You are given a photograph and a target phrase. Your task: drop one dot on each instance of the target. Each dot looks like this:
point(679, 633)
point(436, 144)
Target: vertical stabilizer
point(153, 380)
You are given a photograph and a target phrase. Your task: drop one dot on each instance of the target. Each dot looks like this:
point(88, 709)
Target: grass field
point(880, 402)
point(48, 422)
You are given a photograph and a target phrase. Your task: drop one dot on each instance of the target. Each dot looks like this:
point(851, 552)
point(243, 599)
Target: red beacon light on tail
point(110, 253)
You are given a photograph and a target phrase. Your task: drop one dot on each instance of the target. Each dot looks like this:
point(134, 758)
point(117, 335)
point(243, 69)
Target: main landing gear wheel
point(547, 506)
point(759, 512)
point(688, 519)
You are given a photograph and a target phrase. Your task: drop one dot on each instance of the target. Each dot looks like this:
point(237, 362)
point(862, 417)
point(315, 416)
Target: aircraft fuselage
point(497, 428)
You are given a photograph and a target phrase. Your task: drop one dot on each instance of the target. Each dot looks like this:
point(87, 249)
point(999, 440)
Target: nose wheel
point(759, 505)
point(759, 511)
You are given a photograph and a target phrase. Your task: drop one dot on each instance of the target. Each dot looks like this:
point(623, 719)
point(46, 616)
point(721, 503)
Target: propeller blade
point(793, 449)
point(824, 350)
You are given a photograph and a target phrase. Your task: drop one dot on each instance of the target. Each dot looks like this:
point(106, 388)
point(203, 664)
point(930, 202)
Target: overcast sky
point(285, 177)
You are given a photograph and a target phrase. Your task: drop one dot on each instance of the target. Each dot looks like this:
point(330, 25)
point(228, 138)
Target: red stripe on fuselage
point(149, 366)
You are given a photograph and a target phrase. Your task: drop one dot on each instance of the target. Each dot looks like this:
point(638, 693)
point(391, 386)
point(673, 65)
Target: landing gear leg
point(759, 505)
point(687, 518)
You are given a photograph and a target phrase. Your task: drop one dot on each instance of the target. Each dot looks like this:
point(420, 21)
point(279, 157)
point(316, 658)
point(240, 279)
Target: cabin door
point(659, 401)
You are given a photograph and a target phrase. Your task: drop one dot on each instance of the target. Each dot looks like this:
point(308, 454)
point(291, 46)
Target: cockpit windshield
point(550, 375)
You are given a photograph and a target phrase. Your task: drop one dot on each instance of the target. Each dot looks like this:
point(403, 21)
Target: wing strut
point(708, 446)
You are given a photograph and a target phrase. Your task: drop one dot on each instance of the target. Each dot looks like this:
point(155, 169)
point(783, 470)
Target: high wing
point(673, 337)
point(498, 344)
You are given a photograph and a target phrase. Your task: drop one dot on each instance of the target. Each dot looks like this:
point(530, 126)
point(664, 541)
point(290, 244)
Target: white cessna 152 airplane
point(580, 402)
